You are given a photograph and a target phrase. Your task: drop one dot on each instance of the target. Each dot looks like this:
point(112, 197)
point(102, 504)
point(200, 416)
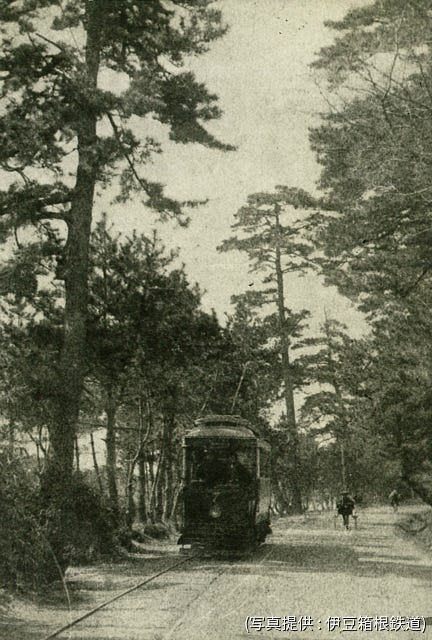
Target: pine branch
point(143, 184)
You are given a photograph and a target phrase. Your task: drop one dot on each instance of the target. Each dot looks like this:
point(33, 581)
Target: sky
point(269, 99)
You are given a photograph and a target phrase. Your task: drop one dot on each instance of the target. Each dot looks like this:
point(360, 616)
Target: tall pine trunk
point(56, 483)
point(288, 387)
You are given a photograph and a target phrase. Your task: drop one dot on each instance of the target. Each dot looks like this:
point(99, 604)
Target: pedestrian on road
point(394, 498)
point(345, 507)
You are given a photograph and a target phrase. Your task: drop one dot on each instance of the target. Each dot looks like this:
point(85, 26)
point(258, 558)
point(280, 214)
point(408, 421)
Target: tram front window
point(222, 466)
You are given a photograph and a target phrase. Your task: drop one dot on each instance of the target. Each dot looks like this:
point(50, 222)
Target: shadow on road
point(311, 548)
point(332, 557)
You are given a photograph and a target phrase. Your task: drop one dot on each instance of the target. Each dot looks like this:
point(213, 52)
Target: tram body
point(226, 484)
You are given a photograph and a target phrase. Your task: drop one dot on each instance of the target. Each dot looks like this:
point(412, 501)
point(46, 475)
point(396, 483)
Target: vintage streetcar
point(226, 485)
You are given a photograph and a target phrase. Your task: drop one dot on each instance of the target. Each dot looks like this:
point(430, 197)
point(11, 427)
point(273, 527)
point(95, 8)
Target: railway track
point(220, 607)
point(106, 603)
point(192, 590)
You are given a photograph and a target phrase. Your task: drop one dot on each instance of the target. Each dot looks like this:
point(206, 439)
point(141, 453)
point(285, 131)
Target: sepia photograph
point(215, 319)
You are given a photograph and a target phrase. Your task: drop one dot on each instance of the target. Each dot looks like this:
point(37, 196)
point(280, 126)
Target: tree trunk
point(130, 485)
point(142, 502)
point(288, 387)
point(140, 456)
point(151, 472)
point(95, 464)
point(11, 437)
point(174, 507)
point(156, 498)
point(57, 478)
point(130, 512)
point(159, 493)
point(343, 466)
point(111, 455)
point(56, 482)
point(39, 465)
point(168, 433)
point(342, 434)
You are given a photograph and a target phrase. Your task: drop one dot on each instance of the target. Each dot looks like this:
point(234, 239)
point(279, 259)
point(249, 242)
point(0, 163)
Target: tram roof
point(216, 419)
point(223, 426)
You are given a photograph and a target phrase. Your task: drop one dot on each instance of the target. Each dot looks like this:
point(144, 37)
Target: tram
point(226, 485)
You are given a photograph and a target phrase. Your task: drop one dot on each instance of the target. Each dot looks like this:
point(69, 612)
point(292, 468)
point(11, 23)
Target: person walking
point(394, 498)
point(345, 507)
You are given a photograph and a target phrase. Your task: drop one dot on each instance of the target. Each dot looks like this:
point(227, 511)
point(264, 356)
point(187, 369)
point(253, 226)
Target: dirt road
point(310, 580)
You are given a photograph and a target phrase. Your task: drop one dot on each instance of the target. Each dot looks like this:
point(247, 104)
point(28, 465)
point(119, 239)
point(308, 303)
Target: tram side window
point(264, 464)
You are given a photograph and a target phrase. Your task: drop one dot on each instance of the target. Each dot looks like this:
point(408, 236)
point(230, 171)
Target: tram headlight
point(215, 511)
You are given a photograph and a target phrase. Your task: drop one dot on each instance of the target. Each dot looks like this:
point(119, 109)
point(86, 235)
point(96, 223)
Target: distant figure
point(345, 507)
point(394, 498)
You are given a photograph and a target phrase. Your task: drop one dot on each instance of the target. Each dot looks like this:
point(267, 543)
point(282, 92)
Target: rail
point(104, 604)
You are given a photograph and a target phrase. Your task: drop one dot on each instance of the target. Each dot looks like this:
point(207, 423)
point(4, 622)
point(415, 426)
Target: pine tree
point(62, 134)
point(270, 232)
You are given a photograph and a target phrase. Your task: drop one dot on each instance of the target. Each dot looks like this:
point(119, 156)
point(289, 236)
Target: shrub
point(37, 544)
point(25, 555)
point(79, 526)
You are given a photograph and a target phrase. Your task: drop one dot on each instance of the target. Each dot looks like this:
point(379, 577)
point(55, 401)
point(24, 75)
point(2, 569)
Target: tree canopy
point(374, 145)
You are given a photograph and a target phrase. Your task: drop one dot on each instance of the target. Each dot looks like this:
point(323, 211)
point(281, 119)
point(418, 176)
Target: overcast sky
point(270, 99)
